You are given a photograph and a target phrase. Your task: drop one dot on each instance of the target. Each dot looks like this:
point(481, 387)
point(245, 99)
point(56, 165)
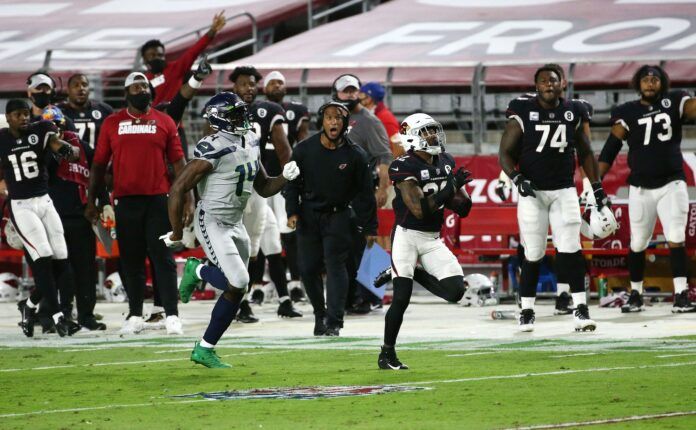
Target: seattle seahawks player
point(225, 168)
point(24, 149)
point(424, 182)
point(652, 127)
point(536, 152)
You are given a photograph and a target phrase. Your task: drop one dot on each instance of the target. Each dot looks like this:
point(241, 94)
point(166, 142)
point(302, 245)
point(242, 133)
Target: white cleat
point(526, 323)
point(173, 325)
point(583, 322)
point(132, 325)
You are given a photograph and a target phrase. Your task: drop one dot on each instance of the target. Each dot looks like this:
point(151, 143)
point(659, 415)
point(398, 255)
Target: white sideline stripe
point(606, 421)
point(555, 372)
point(97, 408)
point(470, 353)
point(573, 355)
point(100, 348)
point(124, 363)
point(676, 355)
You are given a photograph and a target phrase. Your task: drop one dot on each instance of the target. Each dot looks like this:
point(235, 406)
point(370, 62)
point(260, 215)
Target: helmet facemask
point(427, 136)
point(228, 119)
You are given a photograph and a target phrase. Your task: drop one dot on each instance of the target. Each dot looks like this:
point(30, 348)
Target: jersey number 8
point(29, 166)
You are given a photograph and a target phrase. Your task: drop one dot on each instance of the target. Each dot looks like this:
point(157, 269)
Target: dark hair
point(548, 68)
point(152, 43)
point(643, 71)
point(77, 75)
point(245, 70)
point(16, 104)
point(557, 68)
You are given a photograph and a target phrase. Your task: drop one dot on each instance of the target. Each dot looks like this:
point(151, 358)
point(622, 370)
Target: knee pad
point(239, 280)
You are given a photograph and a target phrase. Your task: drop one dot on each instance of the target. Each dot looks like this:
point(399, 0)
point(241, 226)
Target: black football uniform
point(295, 114)
point(264, 116)
point(89, 120)
point(23, 160)
point(429, 177)
point(654, 136)
point(548, 142)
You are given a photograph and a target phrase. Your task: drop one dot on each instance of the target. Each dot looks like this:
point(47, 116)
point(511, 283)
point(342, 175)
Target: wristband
point(194, 83)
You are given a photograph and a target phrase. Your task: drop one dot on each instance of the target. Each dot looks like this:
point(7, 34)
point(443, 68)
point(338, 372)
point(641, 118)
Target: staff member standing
point(140, 141)
point(335, 172)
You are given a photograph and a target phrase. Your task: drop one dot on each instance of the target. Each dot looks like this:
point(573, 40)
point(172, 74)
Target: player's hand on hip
point(291, 170)
point(524, 186)
point(461, 178)
point(92, 213)
point(600, 196)
point(381, 197)
point(292, 221)
point(370, 240)
point(172, 240)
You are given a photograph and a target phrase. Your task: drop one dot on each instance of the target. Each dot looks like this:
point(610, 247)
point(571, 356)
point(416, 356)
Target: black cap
point(16, 104)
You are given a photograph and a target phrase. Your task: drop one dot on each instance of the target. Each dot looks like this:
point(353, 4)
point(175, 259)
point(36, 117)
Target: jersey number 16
point(26, 167)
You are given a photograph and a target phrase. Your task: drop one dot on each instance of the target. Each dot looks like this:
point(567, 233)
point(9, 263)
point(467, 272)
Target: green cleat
point(207, 357)
point(189, 281)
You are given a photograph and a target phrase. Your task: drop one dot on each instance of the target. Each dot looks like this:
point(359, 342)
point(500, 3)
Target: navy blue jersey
point(88, 121)
point(264, 116)
point(548, 141)
point(295, 115)
point(23, 160)
point(653, 134)
point(429, 177)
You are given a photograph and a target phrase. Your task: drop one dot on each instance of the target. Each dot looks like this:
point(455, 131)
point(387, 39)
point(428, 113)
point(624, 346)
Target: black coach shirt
point(330, 179)
point(23, 160)
point(547, 153)
point(654, 134)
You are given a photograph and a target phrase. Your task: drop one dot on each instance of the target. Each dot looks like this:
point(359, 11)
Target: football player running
point(652, 127)
point(224, 169)
point(536, 152)
point(424, 181)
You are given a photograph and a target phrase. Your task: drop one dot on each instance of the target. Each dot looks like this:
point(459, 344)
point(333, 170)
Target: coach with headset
point(335, 172)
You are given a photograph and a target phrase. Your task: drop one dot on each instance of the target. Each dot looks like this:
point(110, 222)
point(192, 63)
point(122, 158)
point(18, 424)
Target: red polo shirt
point(139, 149)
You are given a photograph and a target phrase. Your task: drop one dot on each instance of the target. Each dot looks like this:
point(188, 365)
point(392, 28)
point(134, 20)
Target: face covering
point(349, 104)
point(139, 101)
point(41, 100)
point(157, 65)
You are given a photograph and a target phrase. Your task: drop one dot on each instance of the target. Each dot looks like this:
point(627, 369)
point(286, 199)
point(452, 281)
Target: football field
point(467, 372)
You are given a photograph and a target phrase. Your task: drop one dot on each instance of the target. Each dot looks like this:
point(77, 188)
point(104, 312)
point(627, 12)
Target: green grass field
point(477, 386)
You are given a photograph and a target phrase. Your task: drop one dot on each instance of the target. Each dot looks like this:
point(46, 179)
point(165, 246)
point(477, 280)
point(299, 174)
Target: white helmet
point(598, 224)
point(12, 236)
point(9, 291)
point(113, 289)
point(479, 291)
point(415, 131)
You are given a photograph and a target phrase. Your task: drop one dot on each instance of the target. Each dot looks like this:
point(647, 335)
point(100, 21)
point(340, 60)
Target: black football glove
point(500, 190)
point(65, 152)
point(600, 196)
point(204, 69)
point(461, 177)
point(524, 186)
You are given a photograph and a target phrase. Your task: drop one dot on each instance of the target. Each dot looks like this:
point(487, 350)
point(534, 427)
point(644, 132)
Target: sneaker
point(682, 303)
point(297, 294)
point(383, 277)
point(582, 319)
point(527, 320)
point(634, 304)
point(332, 331)
point(173, 325)
point(388, 360)
point(91, 324)
point(563, 304)
point(245, 314)
point(48, 326)
point(207, 357)
point(189, 281)
point(28, 318)
point(257, 296)
point(361, 308)
point(319, 326)
point(286, 309)
point(66, 327)
point(132, 325)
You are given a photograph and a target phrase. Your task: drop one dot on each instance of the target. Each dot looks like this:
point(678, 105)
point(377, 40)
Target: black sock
point(214, 276)
point(256, 269)
point(573, 268)
point(221, 317)
point(677, 259)
point(403, 287)
point(636, 265)
point(65, 283)
point(42, 269)
point(529, 278)
point(276, 269)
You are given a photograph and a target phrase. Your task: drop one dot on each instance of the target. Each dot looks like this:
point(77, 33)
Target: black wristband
point(443, 195)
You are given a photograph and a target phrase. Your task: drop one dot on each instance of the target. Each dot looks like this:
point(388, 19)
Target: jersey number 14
point(26, 167)
point(246, 172)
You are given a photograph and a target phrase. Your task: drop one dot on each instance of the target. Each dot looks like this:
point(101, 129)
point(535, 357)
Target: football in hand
point(460, 203)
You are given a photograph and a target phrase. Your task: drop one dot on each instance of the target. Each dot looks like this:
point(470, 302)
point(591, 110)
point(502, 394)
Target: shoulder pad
point(518, 106)
point(207, 146)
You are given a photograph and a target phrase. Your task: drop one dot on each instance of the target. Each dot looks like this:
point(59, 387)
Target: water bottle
point(602, 285)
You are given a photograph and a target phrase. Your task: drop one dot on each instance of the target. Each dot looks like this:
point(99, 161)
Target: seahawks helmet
point(420, 132)
point(228, 113)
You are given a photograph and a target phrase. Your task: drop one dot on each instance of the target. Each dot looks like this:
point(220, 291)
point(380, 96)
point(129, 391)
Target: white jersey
point(225, 190)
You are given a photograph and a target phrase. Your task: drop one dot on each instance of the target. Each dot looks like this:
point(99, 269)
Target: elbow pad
point(610, 150)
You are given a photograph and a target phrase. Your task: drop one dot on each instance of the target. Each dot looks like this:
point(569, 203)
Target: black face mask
point(349, 104)
point(157, 65)
point(41, 100)
point(139, 101)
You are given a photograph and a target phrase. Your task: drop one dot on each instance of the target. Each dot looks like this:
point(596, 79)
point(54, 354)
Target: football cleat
point(66, 327)
point(388, 361)
point(682, 303)
point(634, 304)
point(287, 310)
point(245, 314)
point(582, 319)
point(383, 277)
point(319, 326)
point(189, 281)
point(332, 331)
point(563, 304)
point(132, 325)
point(207, 357)
point(28, 318)
point(527, 318)
point(92, 324)
point(297, 294)
point(257, 296)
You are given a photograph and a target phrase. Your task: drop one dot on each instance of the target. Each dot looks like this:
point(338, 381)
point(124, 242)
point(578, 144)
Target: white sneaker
point(132, 325)
point(173, 325)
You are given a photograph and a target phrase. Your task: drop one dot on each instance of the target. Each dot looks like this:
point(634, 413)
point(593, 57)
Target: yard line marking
point(573, 355)
point(555, 372)
point(471, 353)
point(607, 421)
point(676, 355)
point(97, 408)
point(100, 348)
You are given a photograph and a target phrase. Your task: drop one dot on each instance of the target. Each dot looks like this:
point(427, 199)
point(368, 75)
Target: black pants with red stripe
point(140, 221)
